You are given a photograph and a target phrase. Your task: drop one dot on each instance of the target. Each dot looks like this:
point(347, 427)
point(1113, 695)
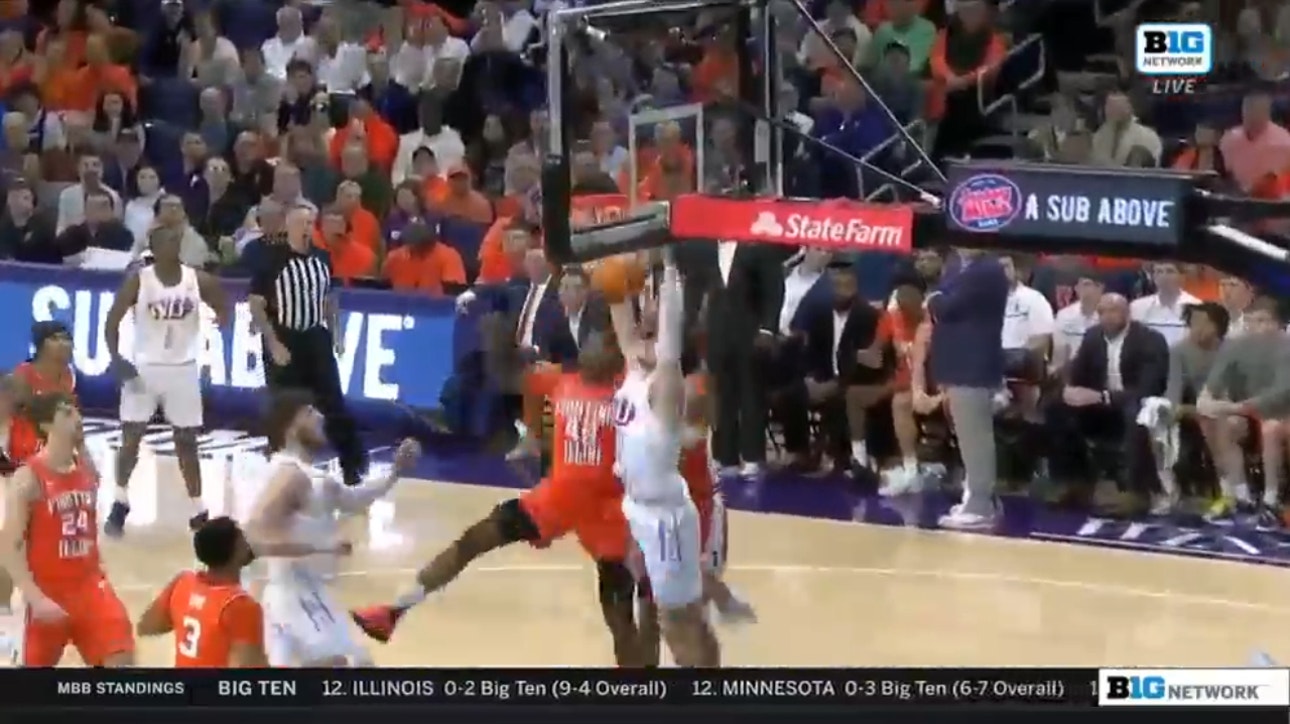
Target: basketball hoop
point(719, 202)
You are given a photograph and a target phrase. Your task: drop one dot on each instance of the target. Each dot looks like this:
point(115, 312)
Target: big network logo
point(1175, 57)
point(1194, 687)
point(232, 357)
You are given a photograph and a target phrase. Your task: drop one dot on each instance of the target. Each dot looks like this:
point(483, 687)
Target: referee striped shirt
point(295, 285)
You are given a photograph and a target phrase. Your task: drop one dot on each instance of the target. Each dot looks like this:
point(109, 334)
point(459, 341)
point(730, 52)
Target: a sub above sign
point(1018, 200)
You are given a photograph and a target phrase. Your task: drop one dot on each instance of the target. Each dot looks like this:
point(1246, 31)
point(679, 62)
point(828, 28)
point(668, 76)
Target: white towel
point(1156, 414)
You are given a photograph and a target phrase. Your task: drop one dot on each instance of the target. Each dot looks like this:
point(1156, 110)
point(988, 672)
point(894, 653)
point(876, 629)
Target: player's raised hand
point(406, 456)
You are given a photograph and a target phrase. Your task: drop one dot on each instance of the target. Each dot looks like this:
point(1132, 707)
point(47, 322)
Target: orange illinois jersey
point(208, 618)
point(585, 436)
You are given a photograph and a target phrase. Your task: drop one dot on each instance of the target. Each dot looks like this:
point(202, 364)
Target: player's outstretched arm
point(623, 320)
point(155, 619)
point(267, 531)
point(353, 499)
point(668, 386)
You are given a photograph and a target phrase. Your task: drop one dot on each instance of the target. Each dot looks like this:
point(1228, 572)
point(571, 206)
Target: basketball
point(617, 277)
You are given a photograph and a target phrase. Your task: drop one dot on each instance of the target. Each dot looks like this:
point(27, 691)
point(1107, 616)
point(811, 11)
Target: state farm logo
point(839, 225)
point(843, 230)
point(767, 225)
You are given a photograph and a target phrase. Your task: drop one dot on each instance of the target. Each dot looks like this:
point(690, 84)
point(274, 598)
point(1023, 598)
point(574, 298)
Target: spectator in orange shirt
point(461, 201)
point(15, 61)
point(426, 168)
point(363, 225)
point(350, 259)
point(379, 137)
point(55, 76)
point(501, 256)
point(100, 74)
point(717, 74)
point(424, 264)
point(967, 50)
point(69, 27)
point(669, 178)
point(876, 13)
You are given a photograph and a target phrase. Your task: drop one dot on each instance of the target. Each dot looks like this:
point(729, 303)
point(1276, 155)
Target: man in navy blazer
point(560, 337)
point(515, 313)
point(966, 361)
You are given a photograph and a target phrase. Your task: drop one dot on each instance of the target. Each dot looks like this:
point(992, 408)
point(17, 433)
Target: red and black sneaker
point(377, 622)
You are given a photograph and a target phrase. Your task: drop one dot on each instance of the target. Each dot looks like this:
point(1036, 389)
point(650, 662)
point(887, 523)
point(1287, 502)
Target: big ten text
point(266, 688)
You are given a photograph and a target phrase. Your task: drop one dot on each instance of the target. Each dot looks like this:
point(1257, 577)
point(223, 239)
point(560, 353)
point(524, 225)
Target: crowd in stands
point(415, 131)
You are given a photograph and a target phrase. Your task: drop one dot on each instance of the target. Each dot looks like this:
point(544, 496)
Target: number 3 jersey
point(167, 320)
point(209, 617)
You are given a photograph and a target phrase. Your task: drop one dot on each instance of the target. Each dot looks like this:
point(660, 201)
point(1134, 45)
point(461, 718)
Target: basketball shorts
point(671, 550)
point(562, 505)
point(176, 389)
point(304, 624)
point(97, 624)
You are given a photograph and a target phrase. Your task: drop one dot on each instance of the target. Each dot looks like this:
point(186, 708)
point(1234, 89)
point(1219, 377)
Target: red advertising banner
point(838, 225)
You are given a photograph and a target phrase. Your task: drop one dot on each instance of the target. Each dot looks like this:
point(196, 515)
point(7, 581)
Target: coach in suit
point(559, 339)
point(966, 361)
point(1119, 364)
point(515, 312)
point(739, 288)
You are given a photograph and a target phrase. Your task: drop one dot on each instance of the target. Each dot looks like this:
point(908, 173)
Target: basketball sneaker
point(960, 519)
point(735, 611)
point(377, 622)
point(115, 525)
point(1226, 509)
point(1269, 518)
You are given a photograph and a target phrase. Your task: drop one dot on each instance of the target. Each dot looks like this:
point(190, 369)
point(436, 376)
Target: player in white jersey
point(294, 528)
point(649, 408)
point(166, 299)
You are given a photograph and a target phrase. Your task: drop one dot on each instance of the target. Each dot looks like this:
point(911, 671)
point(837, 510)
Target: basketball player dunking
point(294, 527)
point(581, 496)
point(650, 412)
point(50, 547)
point(166, 298)
point(697, 469)
point(216, 624)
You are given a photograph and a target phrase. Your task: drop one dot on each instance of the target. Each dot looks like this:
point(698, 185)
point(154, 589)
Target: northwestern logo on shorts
point(985, 203)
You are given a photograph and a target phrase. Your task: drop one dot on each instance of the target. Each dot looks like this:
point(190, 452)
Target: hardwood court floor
point(828, 593)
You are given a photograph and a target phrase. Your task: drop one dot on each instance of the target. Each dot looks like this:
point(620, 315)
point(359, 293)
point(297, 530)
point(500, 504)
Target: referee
point(293, 305)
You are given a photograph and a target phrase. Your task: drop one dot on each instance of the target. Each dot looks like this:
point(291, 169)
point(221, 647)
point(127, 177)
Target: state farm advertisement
point(838, 225)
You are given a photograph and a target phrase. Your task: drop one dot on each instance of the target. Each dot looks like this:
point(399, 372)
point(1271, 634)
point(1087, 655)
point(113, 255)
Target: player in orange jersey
point(50, 546)
point(581, 496)
point(217, 625)
point(48, 370)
